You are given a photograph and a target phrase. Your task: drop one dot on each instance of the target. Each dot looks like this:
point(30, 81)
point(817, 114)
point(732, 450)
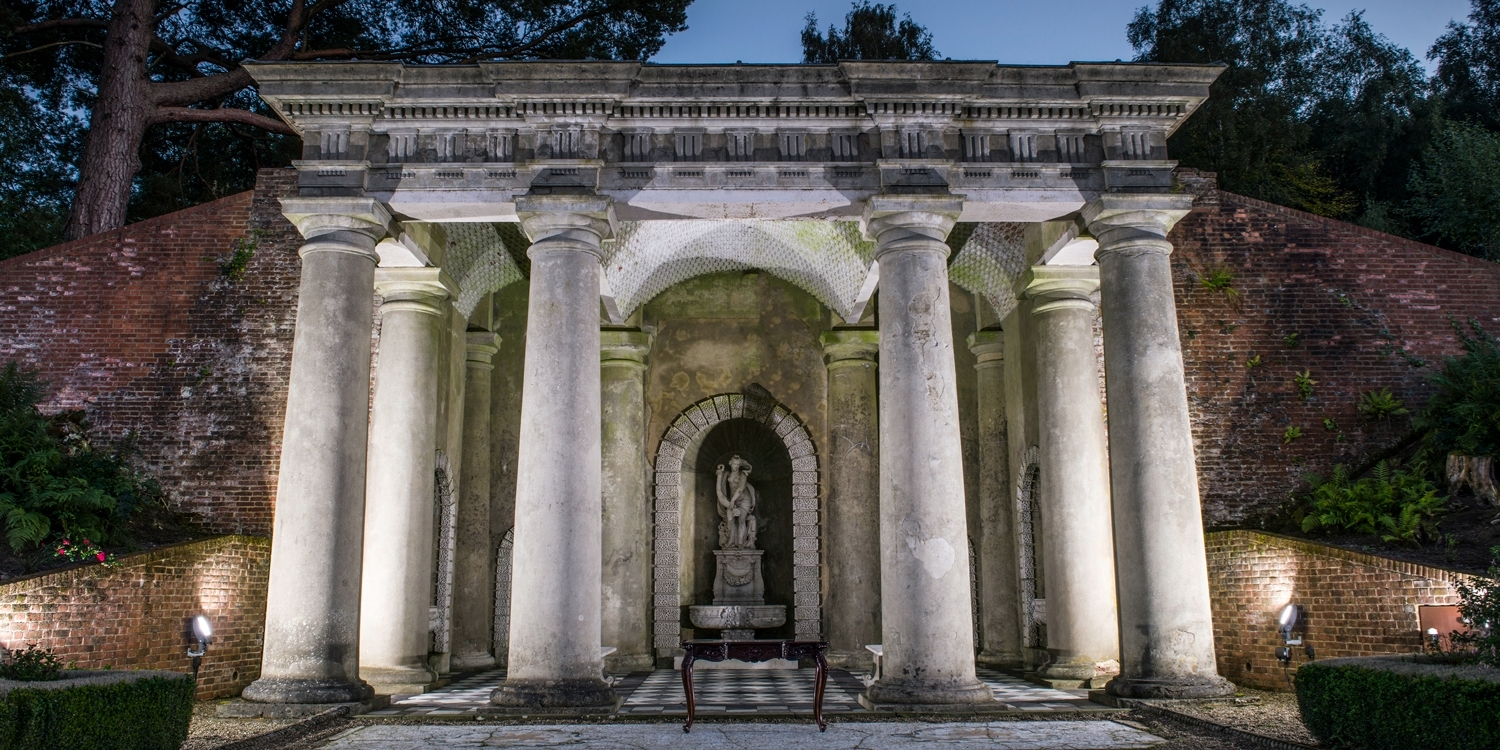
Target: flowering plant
point(86, 551)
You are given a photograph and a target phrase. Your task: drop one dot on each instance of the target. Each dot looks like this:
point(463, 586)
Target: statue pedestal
point(737, 578)
point(739, 607)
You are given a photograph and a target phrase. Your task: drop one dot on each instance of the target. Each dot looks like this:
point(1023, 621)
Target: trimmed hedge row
point(97, 710)
point(1399, 703)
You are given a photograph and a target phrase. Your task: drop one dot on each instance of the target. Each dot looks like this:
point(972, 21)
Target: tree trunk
point(121, 114)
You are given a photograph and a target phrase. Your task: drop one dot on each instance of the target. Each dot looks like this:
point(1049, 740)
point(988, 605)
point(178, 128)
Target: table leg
point(822, 678)
point(687, 687)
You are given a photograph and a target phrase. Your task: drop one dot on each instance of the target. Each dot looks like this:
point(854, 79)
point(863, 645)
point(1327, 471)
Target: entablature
point(720, 141)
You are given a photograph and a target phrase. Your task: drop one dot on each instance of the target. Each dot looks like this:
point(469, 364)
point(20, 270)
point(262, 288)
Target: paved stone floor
point(720, 692)
point(1001, 735)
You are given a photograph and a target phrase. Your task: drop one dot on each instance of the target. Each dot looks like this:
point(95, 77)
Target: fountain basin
point(737, 616)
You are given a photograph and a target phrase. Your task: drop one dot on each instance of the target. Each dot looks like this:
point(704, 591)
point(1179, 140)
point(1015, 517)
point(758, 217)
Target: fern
point(1401, 506)
point(1381, 404)
point(52, 479)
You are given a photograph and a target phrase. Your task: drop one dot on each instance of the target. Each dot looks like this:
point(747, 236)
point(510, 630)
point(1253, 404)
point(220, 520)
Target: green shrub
point(53, 481)
point(1401, 506)
point(150, 713)
point(30, 665)
point(1348, 703)
point(1463, 416)
point(1479, 603)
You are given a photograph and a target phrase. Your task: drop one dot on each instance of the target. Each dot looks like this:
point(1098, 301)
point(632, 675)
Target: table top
point(709, 650)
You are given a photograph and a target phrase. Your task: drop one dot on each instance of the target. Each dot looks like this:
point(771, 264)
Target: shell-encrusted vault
point(828, 259)
point(990, 262)
point(479, 262)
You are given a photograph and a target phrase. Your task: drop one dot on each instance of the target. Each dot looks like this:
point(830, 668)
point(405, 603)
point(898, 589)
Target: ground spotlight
point(203, 631)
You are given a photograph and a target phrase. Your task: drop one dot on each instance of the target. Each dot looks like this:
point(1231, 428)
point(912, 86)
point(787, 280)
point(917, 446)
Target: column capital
point(351, 222)
point(910, 222)
point(1135, 223)
point(1059, 287)
point(850, 346)
point(989, 347)
point(619, 348)
point(569, 222)
point(480, 347)
point(420, 290)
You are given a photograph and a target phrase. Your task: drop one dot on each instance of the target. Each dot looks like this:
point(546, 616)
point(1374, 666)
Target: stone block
point(805, 463)
point(809, 517)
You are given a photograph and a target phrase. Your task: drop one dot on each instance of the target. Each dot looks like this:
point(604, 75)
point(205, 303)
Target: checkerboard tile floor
point(746, 692)
point(1020, 695)
point(463, 696)
point(739, 691)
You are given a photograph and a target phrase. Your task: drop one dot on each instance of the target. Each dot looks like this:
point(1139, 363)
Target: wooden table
point(755, 651)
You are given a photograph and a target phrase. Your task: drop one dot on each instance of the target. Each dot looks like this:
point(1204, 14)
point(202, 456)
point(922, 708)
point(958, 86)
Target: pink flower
point(87, 542)
point(100, 556)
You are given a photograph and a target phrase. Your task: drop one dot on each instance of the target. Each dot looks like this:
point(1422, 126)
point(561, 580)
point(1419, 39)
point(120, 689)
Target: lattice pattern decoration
point(502, 597)
point(479, 262)
point(681, 438)
point(990, 262)
point(828, 259)
point(445, 510)
point(1027, 513)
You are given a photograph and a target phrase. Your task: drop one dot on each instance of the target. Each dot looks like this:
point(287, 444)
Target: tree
point(137, 67)
point(1468, 66)
point(1455, 190)
point(1306, 115)
point(870, 33)
point(40, 146)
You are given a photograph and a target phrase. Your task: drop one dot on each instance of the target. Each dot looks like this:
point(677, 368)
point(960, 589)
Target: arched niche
point(690, 447)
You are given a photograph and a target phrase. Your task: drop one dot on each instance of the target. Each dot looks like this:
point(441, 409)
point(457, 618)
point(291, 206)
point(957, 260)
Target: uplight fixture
point(203, 631)
point(1290, 614)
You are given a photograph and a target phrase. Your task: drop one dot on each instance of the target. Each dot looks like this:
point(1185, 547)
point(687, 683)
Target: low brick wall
point(1354, 604)
point(137, 615)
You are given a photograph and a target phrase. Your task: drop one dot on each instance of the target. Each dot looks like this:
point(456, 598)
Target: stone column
point(925, 611)
point(1073, 491)
point(311, 652)
point(853, 531)
point(627, 513)
point(555, 591)
point(999, 571)
point(473, 563)
point(1166, 628)
point(399, 556)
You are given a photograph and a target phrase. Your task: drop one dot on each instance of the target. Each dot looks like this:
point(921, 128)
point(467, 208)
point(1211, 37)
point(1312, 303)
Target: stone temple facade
point(908, 215)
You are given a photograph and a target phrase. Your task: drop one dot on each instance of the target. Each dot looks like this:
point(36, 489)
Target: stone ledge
point(243, 709)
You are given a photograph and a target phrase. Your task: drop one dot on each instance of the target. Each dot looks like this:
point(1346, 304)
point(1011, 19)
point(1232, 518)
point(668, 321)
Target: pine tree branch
point(227, 115)
point(196, 90)
point(53, 44)
point(60, 23)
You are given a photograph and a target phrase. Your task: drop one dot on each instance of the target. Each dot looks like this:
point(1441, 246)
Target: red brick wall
point(140, 327)
point(136, 615)
point(1354, 604)
point(1357, 299)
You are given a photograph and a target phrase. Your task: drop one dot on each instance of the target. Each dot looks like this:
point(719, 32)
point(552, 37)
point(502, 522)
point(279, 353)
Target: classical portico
point(919, 392)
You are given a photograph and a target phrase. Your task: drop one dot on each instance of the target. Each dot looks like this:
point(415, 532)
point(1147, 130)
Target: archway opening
point(771, 476)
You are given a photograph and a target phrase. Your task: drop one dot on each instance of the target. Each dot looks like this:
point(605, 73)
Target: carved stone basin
point(737, 616)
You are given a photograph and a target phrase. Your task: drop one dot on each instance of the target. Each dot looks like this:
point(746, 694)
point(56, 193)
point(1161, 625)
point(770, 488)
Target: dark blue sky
point(1011, 31)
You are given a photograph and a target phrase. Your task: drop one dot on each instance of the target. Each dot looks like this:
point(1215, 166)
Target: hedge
point(97, 710)
point(1399, 703)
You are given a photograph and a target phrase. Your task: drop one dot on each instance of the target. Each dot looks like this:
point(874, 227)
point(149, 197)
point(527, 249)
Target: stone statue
point(737, 501)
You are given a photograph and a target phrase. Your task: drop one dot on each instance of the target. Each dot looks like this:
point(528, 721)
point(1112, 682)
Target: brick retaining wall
point(1355, 604)
point(140, 327)
point(136, 615)
point(1366, 307)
